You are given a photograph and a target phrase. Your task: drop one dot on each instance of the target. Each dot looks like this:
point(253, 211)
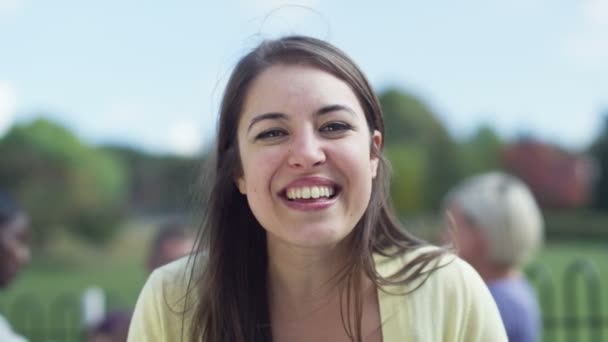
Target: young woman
point(299, 239)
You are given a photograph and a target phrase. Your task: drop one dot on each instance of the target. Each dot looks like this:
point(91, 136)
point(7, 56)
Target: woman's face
point(14, 248)
point(305, 151)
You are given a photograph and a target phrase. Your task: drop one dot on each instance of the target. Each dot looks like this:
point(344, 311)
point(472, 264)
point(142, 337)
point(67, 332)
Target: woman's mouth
point(310, 192)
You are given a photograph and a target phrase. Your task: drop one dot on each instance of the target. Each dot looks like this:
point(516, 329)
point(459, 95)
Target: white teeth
point(306, 192)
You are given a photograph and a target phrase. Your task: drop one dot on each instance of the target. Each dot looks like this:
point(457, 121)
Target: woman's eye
point(336, 127)
point(270, 134)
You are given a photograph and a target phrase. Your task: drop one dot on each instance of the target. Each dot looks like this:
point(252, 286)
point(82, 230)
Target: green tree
point(160, 183)
point(412, 126)
point(409, 120)
point(409, 174)
point(62, 182)
point(481, 152)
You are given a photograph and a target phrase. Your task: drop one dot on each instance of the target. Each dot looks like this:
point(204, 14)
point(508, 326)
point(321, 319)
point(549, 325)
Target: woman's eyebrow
point(334, 108)
point(266, 116)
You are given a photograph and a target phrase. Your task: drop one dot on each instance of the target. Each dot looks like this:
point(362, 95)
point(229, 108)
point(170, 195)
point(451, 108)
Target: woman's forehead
point(285, 88)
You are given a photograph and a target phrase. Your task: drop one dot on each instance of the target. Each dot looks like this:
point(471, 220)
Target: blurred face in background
point(465, 235)
point(168, 251)
point(14, 248)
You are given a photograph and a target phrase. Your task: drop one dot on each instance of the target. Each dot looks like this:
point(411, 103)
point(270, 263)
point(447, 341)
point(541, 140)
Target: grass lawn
point(42, 303)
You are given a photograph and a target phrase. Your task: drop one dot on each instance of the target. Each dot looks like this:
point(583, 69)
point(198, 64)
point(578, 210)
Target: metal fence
point(572, 306)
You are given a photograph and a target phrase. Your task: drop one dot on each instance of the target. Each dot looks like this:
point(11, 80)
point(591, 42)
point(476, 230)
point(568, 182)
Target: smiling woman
point(303, 130)
point(299, 241)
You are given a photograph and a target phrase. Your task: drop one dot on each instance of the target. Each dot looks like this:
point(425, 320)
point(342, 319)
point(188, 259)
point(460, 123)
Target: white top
point(7, 334)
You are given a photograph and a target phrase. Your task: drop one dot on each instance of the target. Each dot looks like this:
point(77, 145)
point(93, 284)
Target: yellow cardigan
point(452, 305)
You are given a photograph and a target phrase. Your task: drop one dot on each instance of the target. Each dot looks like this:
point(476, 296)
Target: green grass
point(68, 268)
point(42, 303)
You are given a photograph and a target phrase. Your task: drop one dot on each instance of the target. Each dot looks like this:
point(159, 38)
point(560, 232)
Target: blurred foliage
point(63, 183)
point(421, 151)
point(70, 186)
point(409, 120)
point(159, 184)
point(409, 174)
point(481, 152)
point(599, 150)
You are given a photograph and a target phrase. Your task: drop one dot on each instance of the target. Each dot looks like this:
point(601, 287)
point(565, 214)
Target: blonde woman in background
point(497, 228)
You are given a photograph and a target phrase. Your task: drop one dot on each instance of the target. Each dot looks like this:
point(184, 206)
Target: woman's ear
point(375, 152)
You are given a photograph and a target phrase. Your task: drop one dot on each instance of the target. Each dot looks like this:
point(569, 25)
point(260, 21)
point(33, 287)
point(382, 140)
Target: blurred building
point(559, 179)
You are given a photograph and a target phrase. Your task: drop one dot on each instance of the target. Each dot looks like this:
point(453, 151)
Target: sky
point(150, 74)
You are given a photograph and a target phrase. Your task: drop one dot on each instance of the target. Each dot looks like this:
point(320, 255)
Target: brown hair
point(231, 298)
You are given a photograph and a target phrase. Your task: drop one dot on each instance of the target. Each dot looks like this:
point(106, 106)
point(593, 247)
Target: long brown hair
point(230, 301)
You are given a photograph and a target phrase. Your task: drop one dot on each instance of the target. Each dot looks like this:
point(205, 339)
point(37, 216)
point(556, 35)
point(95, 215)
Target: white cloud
point(8, 105)
point(589, 45)
point(185, 137)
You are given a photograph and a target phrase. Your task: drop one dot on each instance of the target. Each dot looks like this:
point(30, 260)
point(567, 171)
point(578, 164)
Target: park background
point(107, 111)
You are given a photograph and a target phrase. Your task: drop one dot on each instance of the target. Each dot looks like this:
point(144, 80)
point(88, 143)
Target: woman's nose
point(306, 151)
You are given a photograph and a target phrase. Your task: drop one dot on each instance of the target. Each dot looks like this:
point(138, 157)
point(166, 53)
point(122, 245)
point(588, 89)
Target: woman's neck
point(307, 295)
point(304, 278)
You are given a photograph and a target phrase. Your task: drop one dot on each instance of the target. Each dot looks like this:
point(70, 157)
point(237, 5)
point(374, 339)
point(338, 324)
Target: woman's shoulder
point(166, 275)
point(435, 266)
point(447, 291)
point(165, 302)
point(423, 259)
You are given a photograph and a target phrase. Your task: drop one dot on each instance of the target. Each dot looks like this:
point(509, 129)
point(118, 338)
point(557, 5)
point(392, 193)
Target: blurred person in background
point(172, 241)
point(14, 251)
point(113, 328)
point(496, 226)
